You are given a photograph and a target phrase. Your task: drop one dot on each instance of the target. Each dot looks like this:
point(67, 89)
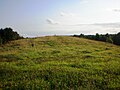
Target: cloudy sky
point(60, 17)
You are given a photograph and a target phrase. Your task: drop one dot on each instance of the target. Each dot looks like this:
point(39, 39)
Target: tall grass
point(59, 63)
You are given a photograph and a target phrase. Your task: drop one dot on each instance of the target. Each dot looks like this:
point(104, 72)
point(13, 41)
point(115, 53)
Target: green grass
point(59, 63)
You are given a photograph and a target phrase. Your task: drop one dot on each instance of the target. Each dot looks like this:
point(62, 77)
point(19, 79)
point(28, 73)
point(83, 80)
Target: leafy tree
point(97, 36)
point(102, 38)
point(7, 35)
point(109, 39)
point(81, 35)
point(0, 41)
point(116, 39)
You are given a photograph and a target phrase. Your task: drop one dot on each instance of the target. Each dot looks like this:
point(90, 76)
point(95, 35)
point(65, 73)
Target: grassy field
point(59, 63)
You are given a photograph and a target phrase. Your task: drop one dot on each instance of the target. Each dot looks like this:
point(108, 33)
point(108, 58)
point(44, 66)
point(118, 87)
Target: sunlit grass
point(59, 63)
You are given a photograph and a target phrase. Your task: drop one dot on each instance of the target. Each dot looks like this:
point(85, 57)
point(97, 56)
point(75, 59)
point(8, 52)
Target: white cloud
point(108, 25)
point(50, 21)
point(66, 14)
point(68, 18)
point(83, 1)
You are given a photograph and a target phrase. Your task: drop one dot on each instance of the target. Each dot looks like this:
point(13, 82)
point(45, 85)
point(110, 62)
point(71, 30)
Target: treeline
point(7, 34)
point(111, 38)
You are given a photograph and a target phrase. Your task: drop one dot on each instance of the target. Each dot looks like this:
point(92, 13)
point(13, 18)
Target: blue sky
point(60, 17)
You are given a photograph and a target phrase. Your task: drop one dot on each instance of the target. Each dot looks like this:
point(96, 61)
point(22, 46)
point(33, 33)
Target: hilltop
point(59, 62)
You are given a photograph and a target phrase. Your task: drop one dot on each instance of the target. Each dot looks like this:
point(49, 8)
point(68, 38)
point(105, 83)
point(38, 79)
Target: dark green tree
point(7, 35)
point(81, 35)
point(0, 41)
point(116, 39)
point(97, 36)
point(109, 39)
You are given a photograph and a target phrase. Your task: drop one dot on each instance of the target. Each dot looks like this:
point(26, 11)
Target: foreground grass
point(59, 63)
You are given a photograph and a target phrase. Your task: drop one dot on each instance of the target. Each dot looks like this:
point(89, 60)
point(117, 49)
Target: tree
point(0, 41)
point(7, 35)
point(102, 38)
point(97, 36)
point(81, 35)
point(109, 39)
point(116, 39)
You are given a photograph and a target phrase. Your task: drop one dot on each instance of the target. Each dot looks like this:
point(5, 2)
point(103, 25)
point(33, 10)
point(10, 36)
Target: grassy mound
point(59, 63)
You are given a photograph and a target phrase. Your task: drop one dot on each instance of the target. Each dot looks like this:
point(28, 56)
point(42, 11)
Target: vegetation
point(7, 35)
point(59, 63)
point(110, 38)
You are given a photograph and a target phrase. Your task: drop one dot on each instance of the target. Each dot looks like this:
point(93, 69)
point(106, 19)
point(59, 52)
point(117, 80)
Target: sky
point(60, 17)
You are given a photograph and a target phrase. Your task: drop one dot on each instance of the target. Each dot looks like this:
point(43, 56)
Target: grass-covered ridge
point(59, 63)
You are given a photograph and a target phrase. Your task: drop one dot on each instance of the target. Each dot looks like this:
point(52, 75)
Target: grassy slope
point(59, 62)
